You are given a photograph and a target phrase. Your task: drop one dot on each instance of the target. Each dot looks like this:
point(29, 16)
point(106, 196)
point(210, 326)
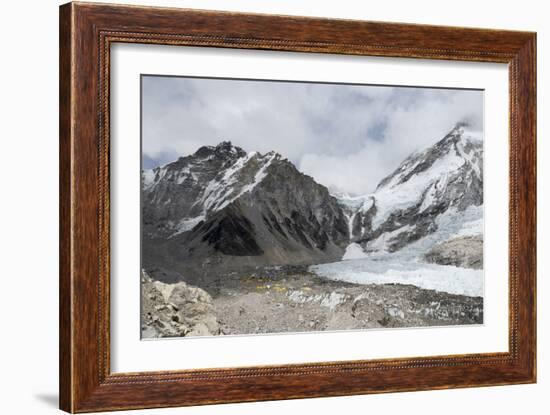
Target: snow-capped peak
point(445, 175)
point(459, 142)
point(207, 181)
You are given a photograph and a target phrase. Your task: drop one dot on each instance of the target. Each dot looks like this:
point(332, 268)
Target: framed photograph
point(258, 207)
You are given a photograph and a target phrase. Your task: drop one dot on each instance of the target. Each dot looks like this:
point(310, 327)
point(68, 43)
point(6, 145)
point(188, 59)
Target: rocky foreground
point(175, 310)
point(291, 299)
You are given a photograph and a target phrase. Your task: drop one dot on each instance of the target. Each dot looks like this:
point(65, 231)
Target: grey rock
point(175, 310)
point(465, 251)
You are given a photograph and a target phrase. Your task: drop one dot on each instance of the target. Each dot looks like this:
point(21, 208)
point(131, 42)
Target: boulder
point(463, 251)
point(175, 310)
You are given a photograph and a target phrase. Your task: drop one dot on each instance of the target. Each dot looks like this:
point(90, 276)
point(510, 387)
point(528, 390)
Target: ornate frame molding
point(86, 33)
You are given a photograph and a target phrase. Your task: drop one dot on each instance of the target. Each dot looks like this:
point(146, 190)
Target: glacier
point(406, 265)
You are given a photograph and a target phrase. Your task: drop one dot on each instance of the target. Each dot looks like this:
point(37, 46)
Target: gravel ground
point(291, 299)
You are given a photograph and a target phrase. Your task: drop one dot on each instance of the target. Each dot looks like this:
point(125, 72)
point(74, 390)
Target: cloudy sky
point(348, 137)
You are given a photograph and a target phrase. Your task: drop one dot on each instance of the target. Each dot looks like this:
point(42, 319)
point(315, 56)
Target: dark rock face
point(231, 234)
point(222, 204)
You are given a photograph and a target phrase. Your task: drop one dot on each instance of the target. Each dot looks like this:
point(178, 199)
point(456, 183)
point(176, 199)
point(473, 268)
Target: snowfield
point(354, 251)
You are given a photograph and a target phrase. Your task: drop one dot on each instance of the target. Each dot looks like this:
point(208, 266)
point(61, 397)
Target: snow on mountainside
point(184, 192)
point(446, 177)
point(434, 175)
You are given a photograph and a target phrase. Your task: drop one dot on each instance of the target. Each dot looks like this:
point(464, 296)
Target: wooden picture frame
point(86, 33)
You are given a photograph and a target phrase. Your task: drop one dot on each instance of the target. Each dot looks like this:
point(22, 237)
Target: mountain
point(446, 178)
point(224, 208)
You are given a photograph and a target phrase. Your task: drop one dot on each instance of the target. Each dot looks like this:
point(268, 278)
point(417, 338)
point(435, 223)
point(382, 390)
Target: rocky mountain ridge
point(223, 207)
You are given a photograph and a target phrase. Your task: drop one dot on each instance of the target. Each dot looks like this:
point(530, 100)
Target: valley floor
point(295, 299)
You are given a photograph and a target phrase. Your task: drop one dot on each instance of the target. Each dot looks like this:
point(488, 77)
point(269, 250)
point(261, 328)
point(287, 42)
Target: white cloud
point(347, 137)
